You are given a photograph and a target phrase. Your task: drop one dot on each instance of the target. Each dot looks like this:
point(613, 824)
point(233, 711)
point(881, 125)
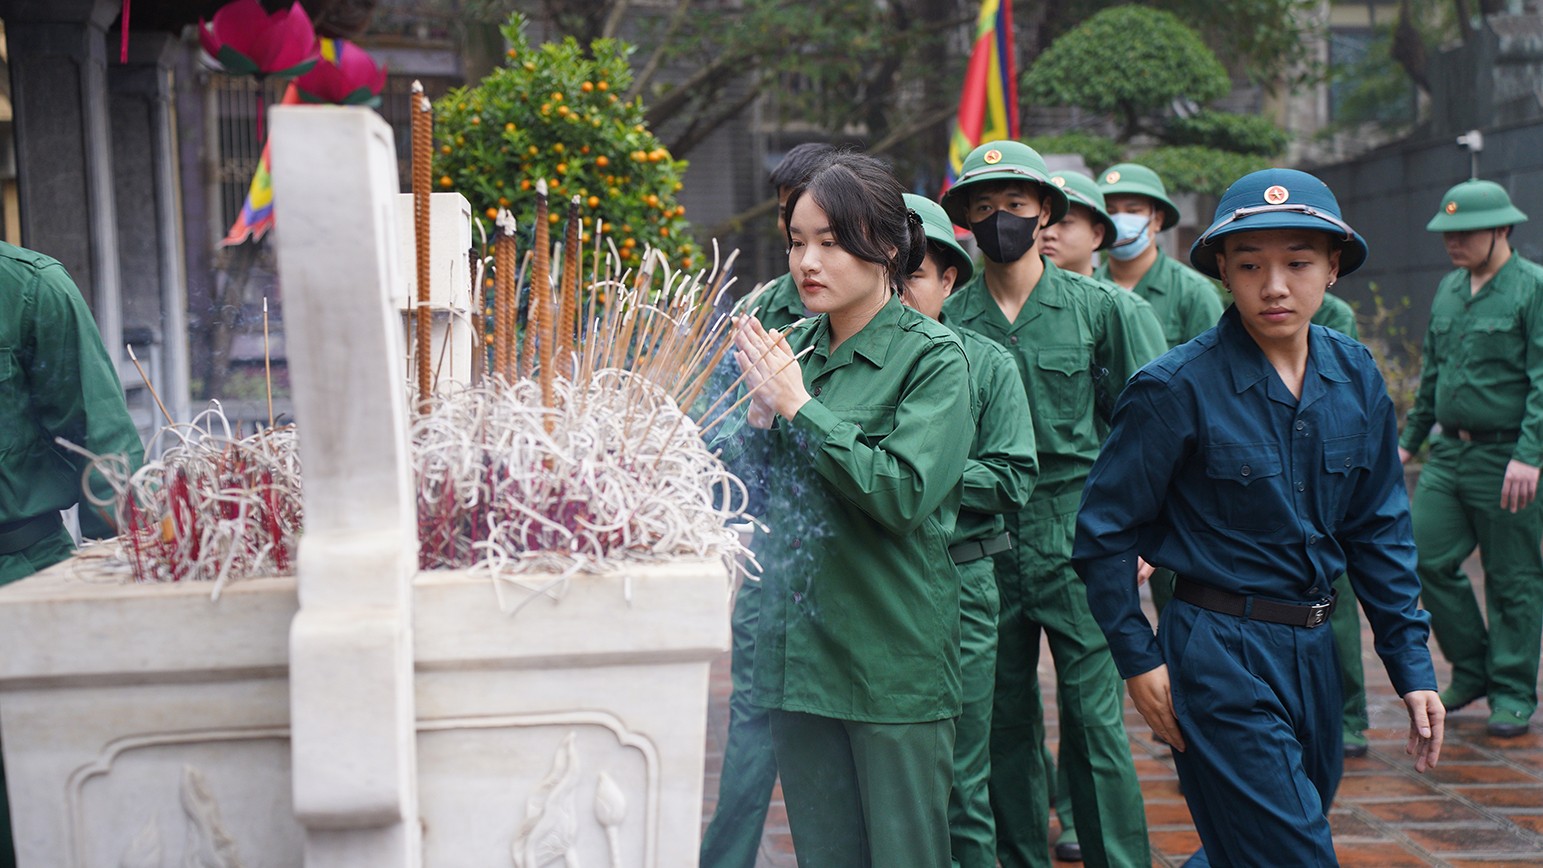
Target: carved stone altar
point(362, 713)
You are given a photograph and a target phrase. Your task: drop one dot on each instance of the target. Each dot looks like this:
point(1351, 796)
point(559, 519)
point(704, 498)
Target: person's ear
point(949, 277)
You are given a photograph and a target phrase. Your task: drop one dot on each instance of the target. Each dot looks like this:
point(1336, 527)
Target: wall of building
point(1390, 194)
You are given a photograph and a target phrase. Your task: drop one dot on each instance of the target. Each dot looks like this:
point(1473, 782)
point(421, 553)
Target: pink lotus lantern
point(345, 75)
point(245, 40)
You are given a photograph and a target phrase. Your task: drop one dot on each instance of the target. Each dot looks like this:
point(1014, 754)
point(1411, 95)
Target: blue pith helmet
point(1277, 199)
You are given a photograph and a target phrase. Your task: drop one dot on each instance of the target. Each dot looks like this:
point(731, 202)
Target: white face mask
point(1132, 235)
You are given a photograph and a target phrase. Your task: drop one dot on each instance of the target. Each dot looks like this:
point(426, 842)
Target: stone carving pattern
point(207, 844)
point(610, 810)
point(551, 824)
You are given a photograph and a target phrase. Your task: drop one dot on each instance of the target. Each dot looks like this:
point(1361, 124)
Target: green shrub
point(552, 112)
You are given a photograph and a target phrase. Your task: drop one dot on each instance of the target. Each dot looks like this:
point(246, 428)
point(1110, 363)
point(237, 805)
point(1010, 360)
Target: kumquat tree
point(552, 112)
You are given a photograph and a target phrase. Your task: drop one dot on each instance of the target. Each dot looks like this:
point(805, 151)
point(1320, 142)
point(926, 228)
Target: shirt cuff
point(816, 419)
point(1411, 671)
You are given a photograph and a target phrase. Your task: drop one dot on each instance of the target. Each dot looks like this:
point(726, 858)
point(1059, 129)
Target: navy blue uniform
point(1215, 470)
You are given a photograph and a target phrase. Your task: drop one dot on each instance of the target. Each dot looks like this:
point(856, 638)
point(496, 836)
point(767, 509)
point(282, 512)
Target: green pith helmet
point(939, 228)
point(1475, 204)
point(1001, 161)
point(1082, 190)
point(1135, 179)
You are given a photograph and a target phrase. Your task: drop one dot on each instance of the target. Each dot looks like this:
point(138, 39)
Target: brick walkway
point(1483, 805)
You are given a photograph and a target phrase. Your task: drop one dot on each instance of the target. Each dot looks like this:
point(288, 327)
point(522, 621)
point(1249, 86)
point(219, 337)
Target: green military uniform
point(1482, 380)
point(857, 649)
point(749, 765)
point(55, 381)
point(1183, 299)
point(1070, 328)
point(998, 478)
point(1346, 619)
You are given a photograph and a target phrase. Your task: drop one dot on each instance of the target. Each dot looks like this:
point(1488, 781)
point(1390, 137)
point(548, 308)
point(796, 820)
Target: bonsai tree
point(1136, 64)
point(554, 112)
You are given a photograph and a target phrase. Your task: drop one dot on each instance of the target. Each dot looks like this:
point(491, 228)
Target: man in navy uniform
point(1259, 461)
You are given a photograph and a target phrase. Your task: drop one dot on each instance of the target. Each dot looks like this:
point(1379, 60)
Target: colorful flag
point(256, 216)
point(988, 103)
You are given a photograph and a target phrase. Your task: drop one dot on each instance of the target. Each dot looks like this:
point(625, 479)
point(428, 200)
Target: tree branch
point(700, 129)
point(683, 93)
point(768, 205)
point(613, 18)
point(656, 59)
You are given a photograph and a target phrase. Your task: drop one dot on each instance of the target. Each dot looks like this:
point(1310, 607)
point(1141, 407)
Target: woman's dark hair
point(867, 212)
point(800, 163)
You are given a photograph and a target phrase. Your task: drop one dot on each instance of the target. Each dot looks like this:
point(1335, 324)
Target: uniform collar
point(1152, 281)
point(872, 342)
point(1155, 280)
point(1249, 366)
point(975, 298)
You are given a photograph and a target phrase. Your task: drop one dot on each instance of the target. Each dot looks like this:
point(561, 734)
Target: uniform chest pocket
point(1496, 338)
point(1064, 387)
point(1247, 491)
point(1342, 458)
point(1440, 337)
point(874, 421)
point(1345, 455)
point(15, 423)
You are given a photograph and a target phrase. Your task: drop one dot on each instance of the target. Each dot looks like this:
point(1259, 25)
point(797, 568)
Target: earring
point(1331, 284)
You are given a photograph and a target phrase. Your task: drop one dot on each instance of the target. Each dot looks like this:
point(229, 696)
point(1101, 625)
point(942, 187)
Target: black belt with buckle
point(974, 550)
point(17, 535)
point(1255, 608)
point(1485, 436)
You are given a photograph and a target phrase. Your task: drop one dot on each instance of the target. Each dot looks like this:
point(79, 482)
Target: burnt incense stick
point(422, 148)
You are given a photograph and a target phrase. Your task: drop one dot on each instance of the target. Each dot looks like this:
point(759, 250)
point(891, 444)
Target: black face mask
point(1005, 237)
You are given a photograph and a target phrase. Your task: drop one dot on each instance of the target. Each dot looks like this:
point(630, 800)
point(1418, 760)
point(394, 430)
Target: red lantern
point(345, 75)
point(245, 40)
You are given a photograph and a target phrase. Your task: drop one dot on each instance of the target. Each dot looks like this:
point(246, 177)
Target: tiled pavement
point(1482, 806)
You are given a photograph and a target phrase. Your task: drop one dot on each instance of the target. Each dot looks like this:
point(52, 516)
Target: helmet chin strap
point(1494, 235)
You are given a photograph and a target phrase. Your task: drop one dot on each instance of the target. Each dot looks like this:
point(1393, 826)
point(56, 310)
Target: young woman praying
point(857, 429)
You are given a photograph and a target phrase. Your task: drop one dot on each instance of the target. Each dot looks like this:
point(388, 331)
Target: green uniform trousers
point(749, 766)
point(1041, 593)
point(971, 829)
point(1346, 624)
point(865, 795)
point(1457, 508)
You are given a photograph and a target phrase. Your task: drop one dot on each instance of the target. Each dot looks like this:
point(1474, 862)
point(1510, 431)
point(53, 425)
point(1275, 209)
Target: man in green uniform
point(998, 478)
point(55, 381)
point(1483, 382)
point(777, 304)
point(1346, 619)
point(1072, 243)
point(1139, 207)
point(1064, 331)
point(749, 766)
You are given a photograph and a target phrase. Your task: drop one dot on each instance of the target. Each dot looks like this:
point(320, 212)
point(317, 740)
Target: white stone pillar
point(351, 678)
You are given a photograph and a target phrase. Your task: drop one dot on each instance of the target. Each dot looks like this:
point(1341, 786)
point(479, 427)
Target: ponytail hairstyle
point(867, 214)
